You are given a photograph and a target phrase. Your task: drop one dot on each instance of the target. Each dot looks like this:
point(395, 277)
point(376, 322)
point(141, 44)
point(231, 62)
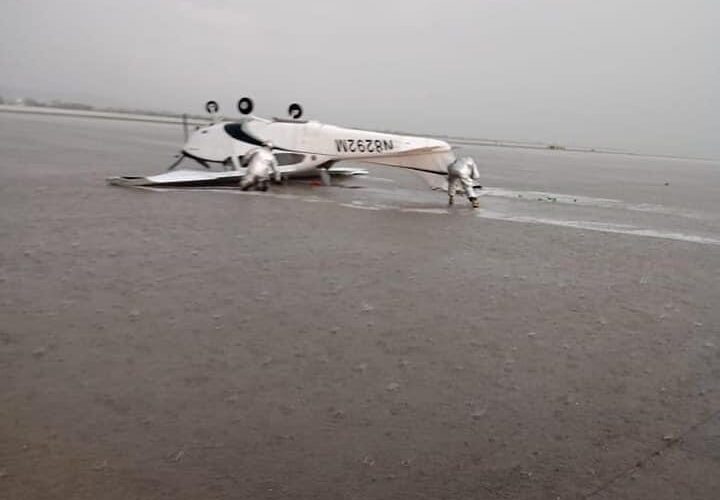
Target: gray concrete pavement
point(350, 343)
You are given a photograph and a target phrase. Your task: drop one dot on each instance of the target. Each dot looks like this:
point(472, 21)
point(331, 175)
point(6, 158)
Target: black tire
point(295, 111)
point(245, 106)
point(212, 107)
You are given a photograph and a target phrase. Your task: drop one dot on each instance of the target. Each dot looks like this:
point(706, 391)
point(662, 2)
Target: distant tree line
point(79, 106)
point(29, 101)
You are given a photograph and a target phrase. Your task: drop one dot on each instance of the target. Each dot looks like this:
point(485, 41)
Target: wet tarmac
point(325, 342)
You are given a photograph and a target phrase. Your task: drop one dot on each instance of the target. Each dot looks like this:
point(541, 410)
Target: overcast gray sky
point(641, 75)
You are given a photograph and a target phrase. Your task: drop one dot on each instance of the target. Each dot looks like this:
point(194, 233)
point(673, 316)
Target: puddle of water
point(361, 206)
point(600, 226)
point(588, 201)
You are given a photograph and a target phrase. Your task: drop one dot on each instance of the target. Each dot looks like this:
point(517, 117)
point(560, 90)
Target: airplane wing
point(199, 178)
point(181, 178)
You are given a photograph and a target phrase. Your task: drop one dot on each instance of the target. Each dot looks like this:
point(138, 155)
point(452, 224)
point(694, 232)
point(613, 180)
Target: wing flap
point(181, 178)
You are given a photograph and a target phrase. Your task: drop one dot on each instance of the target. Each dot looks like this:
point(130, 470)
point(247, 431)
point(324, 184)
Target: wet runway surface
point(325, 342)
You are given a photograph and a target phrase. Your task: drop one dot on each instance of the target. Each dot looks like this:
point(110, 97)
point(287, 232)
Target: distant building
point(29, 101)
point(71, 105)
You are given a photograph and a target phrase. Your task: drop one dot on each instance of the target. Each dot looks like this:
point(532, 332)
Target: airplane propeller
point(212, 108)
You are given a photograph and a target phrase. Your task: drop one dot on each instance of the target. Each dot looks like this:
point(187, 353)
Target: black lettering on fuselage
point(364, 145)
point(341, 146)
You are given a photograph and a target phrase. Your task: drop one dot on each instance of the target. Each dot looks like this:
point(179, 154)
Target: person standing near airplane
point(260, 163)
point(463, 170)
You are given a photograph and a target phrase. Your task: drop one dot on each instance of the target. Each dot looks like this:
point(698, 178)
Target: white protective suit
point(465, 171)
point(260, 163)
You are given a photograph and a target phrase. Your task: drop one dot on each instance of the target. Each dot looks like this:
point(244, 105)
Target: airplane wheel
point(245, 105)
point(212, 107)
point(295, 111)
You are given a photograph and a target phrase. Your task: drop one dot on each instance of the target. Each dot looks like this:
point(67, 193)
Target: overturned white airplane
point(302, 148)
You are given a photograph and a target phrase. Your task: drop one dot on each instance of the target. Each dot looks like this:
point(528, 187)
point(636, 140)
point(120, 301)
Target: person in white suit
point(464, 171)
point(260, 163)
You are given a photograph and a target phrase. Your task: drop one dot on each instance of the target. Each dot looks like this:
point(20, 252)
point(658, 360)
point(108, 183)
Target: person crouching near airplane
point(465, 171)
point(260, 163)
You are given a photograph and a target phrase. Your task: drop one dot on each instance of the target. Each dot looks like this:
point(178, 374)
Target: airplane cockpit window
point(236, 131)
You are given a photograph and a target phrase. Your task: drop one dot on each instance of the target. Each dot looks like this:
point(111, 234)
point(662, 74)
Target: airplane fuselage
point(302, 146)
